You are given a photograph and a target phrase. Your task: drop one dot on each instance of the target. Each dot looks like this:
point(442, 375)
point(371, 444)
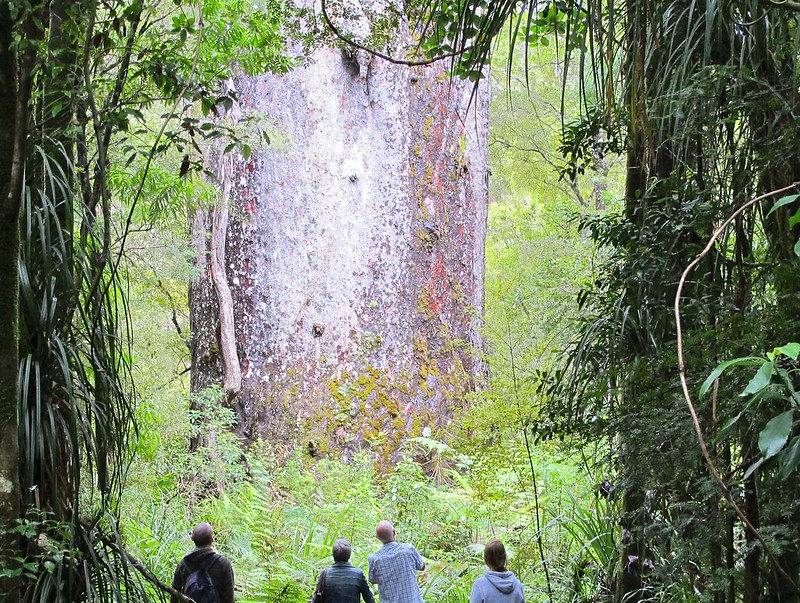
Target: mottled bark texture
point(355, 256)
point(15, 80)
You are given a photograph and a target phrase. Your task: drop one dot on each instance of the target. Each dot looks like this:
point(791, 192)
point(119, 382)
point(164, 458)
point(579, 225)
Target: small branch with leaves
point(715, 472)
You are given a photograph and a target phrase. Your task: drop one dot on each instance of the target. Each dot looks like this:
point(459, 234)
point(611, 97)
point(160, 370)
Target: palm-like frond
point(76, 397)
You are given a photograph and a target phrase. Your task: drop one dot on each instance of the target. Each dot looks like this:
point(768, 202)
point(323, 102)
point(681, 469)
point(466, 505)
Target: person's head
point(203, 535)
point(342, 550)
point(384, 532)
point(494, 555)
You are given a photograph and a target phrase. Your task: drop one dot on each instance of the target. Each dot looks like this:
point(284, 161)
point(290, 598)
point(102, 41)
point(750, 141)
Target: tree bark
point(232, 379)
point(354, 254)
point(632, 551)
point(751, 587)
point(15, 84)
point(10, 495)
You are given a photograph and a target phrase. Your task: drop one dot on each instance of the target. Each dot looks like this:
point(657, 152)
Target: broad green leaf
point(730, 423)
point(746, 361)
point(797, 248)
point(773, 437)
point(792, 350)
point(760, 380)
point(795, 219)
point(752, 468)
point(790, 457)
point(781, 202)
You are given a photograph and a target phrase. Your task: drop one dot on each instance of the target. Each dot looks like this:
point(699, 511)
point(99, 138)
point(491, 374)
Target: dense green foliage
point(700, 102)
point(120, 115)
point(90, 80)
point(277, 524)
point(701, 98)
point(453, 491)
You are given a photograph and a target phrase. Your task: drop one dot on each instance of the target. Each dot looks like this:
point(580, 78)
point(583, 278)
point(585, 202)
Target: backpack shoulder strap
point(215, 558)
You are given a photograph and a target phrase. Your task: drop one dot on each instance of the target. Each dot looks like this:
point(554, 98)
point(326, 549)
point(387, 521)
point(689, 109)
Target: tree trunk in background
point(632, 548)
point(355, 256)
point(10, 495)
point(751, 587)
point(15, 85)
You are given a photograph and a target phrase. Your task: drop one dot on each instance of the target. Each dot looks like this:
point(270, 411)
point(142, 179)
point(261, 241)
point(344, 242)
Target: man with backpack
point(204, 575)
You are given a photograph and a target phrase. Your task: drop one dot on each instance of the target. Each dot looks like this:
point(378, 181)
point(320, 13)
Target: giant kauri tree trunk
point(353, 251)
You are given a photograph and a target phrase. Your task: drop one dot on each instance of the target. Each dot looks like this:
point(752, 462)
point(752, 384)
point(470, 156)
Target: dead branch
point(232, 380)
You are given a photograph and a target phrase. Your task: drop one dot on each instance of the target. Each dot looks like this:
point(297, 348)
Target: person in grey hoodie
point(498, 585)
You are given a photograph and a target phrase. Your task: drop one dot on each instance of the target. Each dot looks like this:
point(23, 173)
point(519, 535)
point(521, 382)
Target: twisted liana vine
point(715, 472)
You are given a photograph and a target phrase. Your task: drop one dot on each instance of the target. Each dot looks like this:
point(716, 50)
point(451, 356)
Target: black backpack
point(198, 585)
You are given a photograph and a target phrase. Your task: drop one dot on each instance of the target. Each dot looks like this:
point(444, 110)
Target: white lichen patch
point(6, 485)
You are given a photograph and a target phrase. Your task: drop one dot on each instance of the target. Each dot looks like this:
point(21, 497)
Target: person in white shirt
point(394, 568)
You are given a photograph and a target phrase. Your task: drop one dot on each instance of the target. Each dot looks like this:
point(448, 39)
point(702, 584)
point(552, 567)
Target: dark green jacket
point(345, 583)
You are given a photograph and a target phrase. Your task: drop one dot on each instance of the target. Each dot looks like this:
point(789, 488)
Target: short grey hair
point(342, 550)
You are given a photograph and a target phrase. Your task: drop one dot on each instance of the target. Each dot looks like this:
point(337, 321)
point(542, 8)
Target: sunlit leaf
point(792, 350)
point(760, 380)
point(795, 219)
point(722, 367)
point(774, 436)
point(781, 202)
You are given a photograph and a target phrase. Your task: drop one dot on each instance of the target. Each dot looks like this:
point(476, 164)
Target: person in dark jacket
point(343, 582)
point(498, 585)
point(204, 557)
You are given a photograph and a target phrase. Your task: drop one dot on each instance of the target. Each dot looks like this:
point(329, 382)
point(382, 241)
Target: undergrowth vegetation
point(277, 523)
point(449, 492)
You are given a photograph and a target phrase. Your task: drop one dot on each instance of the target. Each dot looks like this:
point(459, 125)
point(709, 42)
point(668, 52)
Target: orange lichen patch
point(438, 286)
point(245, 274)
point(250, 205)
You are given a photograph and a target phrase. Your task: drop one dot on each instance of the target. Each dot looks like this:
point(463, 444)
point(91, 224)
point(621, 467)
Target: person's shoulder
point(479, 584)
point(223, 560)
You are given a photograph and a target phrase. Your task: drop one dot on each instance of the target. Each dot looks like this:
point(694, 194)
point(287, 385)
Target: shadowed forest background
point(523, 374)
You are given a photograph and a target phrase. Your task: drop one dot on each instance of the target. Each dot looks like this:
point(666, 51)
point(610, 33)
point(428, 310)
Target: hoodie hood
point(200, 557)
point(502, 581)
